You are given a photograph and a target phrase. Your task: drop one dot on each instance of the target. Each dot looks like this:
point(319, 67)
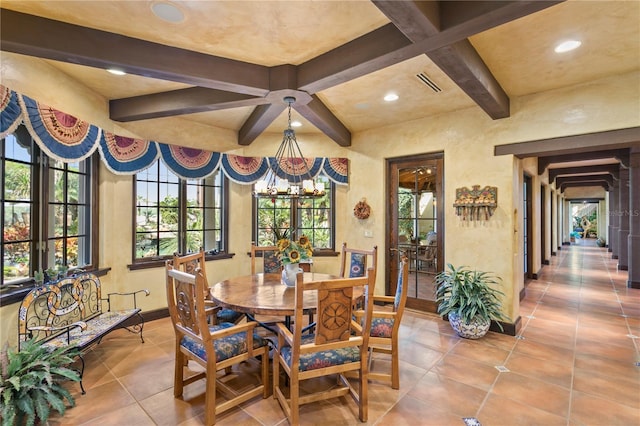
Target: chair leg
point(395, 365)
point(363, 402)
point(276, 372)
point(265, 371)
point(294, 399)
point(178, 375)
point(210, 397)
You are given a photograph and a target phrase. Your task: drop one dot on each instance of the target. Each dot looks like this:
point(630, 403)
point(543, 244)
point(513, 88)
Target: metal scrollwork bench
point(69, 312)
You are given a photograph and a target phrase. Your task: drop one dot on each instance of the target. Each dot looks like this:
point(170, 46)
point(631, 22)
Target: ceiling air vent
point(426, 80)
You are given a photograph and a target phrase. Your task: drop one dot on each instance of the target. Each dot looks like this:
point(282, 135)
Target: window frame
point(220, 252)
point(39, 226)
point(294, 211)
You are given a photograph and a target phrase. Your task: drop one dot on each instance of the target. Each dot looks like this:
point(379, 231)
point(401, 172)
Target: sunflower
point(291, 251)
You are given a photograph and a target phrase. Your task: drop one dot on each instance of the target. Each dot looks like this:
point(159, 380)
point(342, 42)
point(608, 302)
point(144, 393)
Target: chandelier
point(289, 175)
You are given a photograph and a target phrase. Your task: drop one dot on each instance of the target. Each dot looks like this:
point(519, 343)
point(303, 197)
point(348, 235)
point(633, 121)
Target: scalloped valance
point(66, 138)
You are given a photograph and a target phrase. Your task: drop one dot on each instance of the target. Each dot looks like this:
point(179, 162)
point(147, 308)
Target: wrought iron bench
point(69, 312)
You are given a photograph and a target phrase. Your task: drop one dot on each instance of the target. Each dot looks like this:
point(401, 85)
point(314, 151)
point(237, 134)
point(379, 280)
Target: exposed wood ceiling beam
point(460, 61)
point(612, 139)
point(622, 155)
point(603, 184)
point(611, 169)
point(46, 38)
point(260, 118)
point(560, 181)
point(176, 102)
point(319, 115)
point(442, 31)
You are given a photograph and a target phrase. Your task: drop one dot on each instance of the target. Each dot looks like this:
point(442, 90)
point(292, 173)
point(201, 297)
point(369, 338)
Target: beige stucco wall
point(466, 137)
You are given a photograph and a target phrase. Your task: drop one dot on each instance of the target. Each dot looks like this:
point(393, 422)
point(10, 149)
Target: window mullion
point(182, 216)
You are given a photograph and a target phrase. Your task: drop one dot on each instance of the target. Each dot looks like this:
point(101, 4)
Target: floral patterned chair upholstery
point(385, 326)
point(189, 263)
point(338, 346)
point(214, 347)
point(357, 259)
point(270, 262)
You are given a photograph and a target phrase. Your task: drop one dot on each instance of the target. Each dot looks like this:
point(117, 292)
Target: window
point(47, 215)
point(313, 217)
point(176, 215)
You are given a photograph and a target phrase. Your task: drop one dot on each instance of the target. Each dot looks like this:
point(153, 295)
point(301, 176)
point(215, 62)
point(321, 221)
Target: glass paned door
point(415, 225)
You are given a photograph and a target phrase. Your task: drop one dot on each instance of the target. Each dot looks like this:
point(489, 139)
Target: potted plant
point(469, 299)
point(31, 382)
point(573, 236)
point(38, 277)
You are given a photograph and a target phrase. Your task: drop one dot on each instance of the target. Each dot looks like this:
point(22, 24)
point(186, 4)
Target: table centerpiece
point(291, 253)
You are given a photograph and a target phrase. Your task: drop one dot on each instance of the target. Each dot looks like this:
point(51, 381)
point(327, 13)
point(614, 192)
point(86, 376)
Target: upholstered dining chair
point(385, 327)
point(189, 263)
point(354, 262)
point(269, 255)
point(339, 345)
point(214, 347)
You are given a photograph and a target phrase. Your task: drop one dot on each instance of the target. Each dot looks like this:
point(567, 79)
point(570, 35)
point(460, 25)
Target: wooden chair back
point(339, 345)
point(355, 262)
point(214, 347)
point(270, 262)
point(385, 328)
point(185, 297)
point(189, 263)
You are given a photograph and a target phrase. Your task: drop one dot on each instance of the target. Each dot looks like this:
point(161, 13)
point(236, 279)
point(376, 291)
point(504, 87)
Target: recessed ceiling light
point(115, 71)
point(296, 124)
point(568, 45)
point(167, 12)
point(391, 97)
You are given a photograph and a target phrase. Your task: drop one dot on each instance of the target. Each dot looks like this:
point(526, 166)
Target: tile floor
point(575, 362)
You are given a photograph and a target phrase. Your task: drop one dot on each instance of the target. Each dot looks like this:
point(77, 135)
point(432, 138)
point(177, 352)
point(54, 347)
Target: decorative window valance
point(68, 139)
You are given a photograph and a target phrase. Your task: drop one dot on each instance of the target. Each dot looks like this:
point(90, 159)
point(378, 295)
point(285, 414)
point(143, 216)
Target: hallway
point(575, 362)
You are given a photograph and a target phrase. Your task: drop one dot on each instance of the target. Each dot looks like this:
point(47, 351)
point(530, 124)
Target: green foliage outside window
point(311, 217)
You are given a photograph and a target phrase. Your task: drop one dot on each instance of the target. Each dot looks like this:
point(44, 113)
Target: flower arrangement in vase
point(290, 254)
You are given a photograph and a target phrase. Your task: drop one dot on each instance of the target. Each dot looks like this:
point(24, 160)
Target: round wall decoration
point(362, 210)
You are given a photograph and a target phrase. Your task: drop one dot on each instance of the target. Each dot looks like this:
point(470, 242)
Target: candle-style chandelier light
point(289, 173)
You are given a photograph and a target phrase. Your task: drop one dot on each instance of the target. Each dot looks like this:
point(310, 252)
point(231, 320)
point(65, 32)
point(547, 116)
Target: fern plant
point(31, 382)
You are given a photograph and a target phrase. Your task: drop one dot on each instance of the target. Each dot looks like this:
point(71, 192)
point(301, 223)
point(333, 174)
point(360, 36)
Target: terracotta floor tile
point(591, 410)
point(411, 411)
point(460, 368)
point(131, 414)
point(573, 366)
point(533, 392)
point(448, 394)
point(502, 411)
point(613, 369)
point(545, 352)
point(622, 391)
point(480, 351)
point(548, 371)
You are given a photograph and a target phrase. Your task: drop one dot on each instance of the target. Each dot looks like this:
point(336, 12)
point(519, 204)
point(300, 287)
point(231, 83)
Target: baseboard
point(623, 267)
point(546, 262)
point(553, 253)
point(523, 294)
point(155, 314)
point(566, 244)
point(633, 284)
point(510, 329)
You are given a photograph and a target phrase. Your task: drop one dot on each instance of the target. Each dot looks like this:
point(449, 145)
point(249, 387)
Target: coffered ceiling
point(228, 64)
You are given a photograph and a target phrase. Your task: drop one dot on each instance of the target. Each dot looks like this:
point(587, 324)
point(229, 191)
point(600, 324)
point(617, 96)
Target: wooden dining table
point(264, 294)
